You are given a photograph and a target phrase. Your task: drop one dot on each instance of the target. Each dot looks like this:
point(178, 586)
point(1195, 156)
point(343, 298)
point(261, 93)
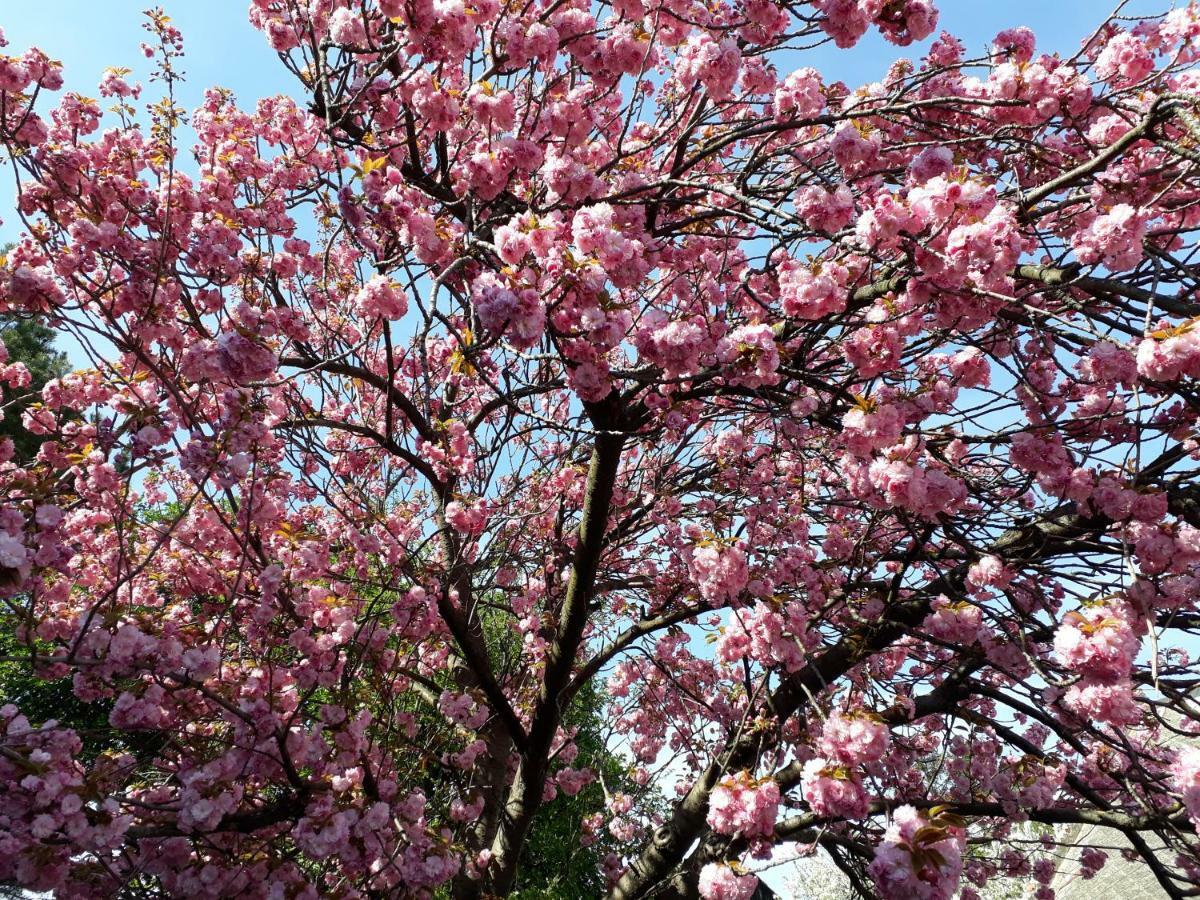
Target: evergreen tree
point(30, 341)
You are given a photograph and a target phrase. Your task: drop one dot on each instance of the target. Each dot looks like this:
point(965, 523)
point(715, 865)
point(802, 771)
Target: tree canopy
point(576, 448)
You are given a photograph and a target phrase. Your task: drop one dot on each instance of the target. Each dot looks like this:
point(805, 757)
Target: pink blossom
point(1099, 700)
point(13, 553)
point(672, 345)
point(381, 297)
point(868, 429)
point(491, 107)
point(954, 623)
point(1185, 775)
point(1107, 362)
point(1124, 60)
point(715, 64)
point(851, 149)
point(1113, 239)
point(924, 491)
point(832, 790)
point(233, 357)
point(800, 96)
point(14, 77)
point(826, 211)
point(1015, 43)
point(33, 286)
point(1167, 356)
point(769, 637)
point(466, 518)
point(932, 162)
point(918, 859)
point(1097, 641)
point(904, 22)
point(881, 225)
point(719, 571)
point(970, 368)
point(990, 571)
point(596, 232)
point(813, 292)
point(462, 709)
point(844, 21)
point(741, 805)
point(1091, 861)
point(718, 881)
point(572, 781)
point(750, 355)
point(854, 738)
point(520, 315)
point(591, 381)
point(48, 515)
point(346, 27)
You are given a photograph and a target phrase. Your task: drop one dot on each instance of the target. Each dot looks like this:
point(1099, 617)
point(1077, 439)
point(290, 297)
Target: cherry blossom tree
point(844, 436)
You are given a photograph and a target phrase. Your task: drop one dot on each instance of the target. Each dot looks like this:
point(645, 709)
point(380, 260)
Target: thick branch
point(526, 792)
